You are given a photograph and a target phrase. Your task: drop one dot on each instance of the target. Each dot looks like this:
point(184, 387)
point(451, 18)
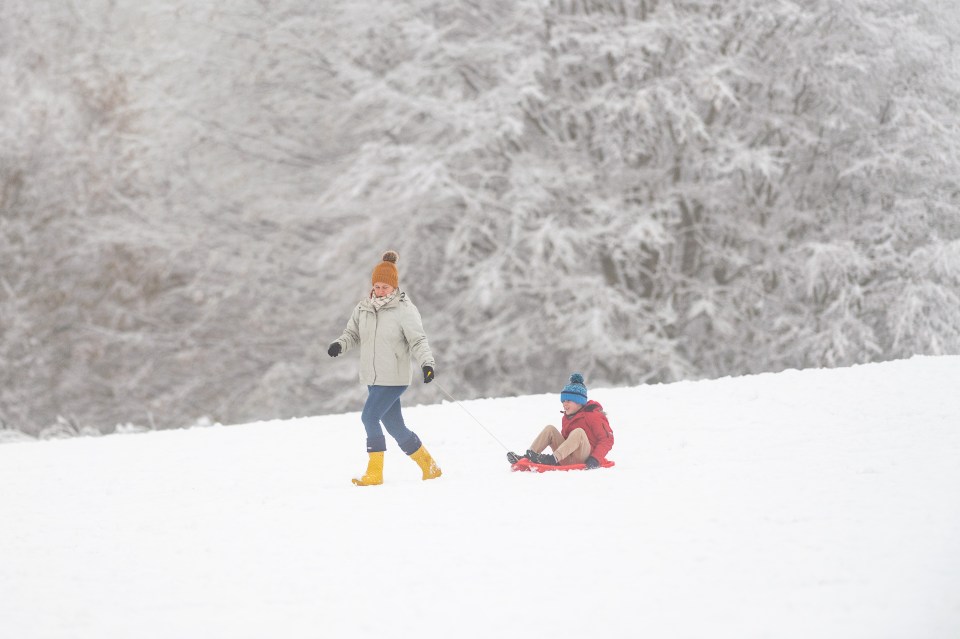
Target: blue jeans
point(383, 405)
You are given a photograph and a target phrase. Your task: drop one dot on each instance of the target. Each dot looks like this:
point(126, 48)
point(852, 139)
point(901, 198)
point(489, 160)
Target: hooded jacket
point(593, 421)
point(388, 339)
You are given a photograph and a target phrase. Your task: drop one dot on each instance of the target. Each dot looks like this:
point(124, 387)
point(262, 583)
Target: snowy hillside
point(819, 503)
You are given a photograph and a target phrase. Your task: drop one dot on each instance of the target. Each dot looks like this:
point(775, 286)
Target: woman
point(585, 438)
point(388, 329)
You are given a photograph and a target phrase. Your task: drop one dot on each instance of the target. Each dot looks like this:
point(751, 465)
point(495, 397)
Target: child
point(585, 438)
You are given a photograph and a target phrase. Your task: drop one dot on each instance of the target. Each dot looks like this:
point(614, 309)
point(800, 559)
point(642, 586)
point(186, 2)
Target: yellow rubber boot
point(374, 474)
point(426, 463)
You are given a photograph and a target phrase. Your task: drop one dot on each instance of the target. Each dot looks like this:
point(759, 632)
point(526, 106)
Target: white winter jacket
point(388, 340)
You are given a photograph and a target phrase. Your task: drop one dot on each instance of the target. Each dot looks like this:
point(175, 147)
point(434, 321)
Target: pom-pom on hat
point(386, 271)
point(575, 391)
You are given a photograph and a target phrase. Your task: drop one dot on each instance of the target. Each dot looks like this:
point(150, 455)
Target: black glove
point(334, 349)
point(428, 374)
point(592, 463)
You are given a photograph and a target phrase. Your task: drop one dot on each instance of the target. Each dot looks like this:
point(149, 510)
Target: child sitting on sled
point(585, 436)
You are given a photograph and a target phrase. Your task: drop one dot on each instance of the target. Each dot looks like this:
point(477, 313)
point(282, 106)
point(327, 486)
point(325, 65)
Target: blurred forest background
point(193, 195)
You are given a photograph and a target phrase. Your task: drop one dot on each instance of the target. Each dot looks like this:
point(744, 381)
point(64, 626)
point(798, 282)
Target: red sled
point(525, 465)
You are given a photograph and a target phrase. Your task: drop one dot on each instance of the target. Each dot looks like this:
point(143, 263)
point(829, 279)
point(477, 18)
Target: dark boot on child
point(513, 458)
point(547, 460)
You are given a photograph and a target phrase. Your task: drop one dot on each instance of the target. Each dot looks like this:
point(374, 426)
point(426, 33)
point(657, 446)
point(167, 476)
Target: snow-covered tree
point(192, 196)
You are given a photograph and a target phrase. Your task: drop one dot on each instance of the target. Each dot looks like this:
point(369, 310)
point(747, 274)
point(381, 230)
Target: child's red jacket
point(593, 421)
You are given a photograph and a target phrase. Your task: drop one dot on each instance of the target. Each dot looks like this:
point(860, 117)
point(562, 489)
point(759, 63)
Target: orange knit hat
point(386, 271)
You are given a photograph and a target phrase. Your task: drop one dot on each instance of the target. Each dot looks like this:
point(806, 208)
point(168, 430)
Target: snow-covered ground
point(807, 504)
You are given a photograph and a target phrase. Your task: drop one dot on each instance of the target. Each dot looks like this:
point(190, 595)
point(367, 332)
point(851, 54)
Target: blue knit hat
point(575, 391)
